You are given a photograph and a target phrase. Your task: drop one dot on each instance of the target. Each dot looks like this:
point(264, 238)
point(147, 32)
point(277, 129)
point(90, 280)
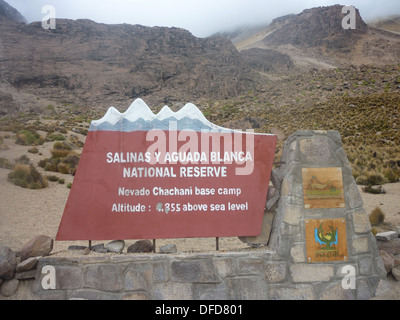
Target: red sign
point(159, 184)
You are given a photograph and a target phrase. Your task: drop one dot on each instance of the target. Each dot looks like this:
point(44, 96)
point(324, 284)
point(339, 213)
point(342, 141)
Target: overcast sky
point(201, 17)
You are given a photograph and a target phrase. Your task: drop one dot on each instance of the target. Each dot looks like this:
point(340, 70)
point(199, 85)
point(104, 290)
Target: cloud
point(201, 17)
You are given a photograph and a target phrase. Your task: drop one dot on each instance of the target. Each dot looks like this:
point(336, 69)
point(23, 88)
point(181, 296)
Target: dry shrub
point(391, 175)
point(24, 159)
point(26, 176)
point(63, 167)
point(5, 163)
point(60, 149)
point(371, 178)
point(376, 216)
point(61, 146)
point(33, 150)
point(57, 153)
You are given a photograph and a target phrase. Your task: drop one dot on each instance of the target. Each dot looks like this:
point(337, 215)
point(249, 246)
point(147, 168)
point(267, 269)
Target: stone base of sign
point(323, 149)
point(281, 271)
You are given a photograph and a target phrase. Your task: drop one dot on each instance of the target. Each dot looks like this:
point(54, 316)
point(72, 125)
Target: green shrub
point(373, 190)
point(27, 177)
point(375, 179)
point(50, 167)
point(370, 179)
point(52, 178)
point(55, 137)
point(29, 138)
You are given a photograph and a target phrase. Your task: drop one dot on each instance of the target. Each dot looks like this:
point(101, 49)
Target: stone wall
point(260, 274)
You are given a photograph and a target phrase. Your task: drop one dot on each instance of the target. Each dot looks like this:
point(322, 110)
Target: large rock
point(8, 263)
point(391, 246)
point(27, 264)
point(38, 246)
point(387, 236)
point(141, 246)
point(169, 248)
point(396, 273)
point(388, 260)
point(115, 246)
point(9, 287)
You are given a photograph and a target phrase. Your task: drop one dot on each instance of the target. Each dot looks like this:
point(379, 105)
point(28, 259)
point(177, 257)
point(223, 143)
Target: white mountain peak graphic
point(139, 110)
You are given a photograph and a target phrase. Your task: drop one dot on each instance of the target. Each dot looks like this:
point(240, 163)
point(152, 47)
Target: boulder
point(141, 246)
point(8, 263)
point(391, 246)
point(388, 260)
point(27, 264)
point(9, 287)
point(76, 248)
point(387, 236)
point(396, 273)
point(115, 246)
point(99, 248)
point(397, 261)
point(37, 246)
point(168, 248)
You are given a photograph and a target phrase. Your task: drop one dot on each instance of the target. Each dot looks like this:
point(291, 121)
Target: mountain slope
point(391, 24)
point(316, 38)
point(86, 63)
point(8, 12)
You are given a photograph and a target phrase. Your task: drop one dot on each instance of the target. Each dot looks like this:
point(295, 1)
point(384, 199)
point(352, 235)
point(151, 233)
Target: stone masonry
point(323, 149)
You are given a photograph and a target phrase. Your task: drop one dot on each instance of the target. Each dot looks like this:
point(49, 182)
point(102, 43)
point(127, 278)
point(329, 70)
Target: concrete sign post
point(170, 175)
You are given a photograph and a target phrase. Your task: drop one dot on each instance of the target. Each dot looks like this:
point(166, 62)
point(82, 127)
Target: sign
point(170, 175)
point(326, 240)
point(323, 188)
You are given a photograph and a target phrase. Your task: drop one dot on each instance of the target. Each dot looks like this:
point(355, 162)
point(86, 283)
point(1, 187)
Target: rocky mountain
point(10, 13)
point(91, 64)
point(315, 38)
point(83, 63)
point(268, 61)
